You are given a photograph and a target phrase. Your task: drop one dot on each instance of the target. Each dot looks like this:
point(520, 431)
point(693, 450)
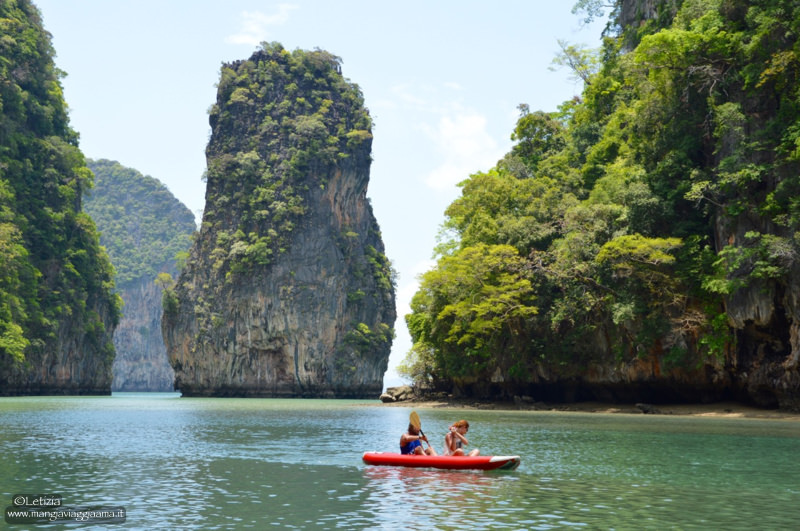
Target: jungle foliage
point(52, 268)
point(303, 118)
point(289, 133)
point(600, 222)
point(144, 228)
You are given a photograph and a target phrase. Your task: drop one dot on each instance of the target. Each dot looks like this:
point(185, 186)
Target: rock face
point(57, 308)
point(141, 363)
point(286, 292)
point(762, 359)
point(144, 228)
point(765, 318)
point(636, 12)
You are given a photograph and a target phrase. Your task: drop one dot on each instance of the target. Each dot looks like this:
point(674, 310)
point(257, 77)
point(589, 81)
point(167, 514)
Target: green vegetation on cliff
point(147, 233)
point(625, 225)
point(144, 228)
point(309, 119)
point(287, 290)
point(55, 281)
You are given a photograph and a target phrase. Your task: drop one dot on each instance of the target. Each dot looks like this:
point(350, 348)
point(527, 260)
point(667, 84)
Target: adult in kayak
point(456, 440)
point(410, 442)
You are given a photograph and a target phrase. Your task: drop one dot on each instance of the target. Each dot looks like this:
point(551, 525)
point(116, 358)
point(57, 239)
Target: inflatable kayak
point(450, 462)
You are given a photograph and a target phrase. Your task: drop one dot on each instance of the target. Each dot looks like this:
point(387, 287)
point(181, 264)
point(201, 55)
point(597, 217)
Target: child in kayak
point(455, 440)
point(409, 442)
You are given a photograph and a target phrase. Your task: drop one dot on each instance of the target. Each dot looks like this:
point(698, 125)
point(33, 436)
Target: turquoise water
point(185, 463)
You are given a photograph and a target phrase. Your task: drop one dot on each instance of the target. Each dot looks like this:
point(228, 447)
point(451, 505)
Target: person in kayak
point(410, 442)
point(456, 439)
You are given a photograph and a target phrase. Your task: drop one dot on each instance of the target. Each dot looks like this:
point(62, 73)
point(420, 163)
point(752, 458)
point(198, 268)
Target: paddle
point(414, 420)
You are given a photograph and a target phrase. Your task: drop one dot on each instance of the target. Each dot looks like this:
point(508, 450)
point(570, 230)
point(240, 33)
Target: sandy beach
point(720, 409)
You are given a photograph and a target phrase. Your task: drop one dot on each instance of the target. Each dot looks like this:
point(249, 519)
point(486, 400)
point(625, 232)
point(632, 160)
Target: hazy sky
point(442, 81)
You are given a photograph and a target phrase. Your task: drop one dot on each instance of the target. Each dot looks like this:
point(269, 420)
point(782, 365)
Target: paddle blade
point(414, 420)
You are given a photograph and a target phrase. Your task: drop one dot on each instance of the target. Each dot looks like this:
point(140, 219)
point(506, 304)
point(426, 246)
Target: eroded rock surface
point(287, 292)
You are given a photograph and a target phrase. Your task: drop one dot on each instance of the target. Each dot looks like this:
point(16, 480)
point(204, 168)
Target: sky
point(442, 80)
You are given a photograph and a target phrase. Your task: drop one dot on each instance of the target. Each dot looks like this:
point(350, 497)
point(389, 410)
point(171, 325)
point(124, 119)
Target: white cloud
point(255, 25)
point(407, 95)
point(455, 133)
point(465, 147)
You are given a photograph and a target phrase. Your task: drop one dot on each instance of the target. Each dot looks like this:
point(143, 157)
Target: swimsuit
point(409, 447)
point(459, 444)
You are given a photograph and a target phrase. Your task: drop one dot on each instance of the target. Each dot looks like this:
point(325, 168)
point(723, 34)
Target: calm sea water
point(184, 463)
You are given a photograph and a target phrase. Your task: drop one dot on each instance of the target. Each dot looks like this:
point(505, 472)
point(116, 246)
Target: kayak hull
point(448, 462)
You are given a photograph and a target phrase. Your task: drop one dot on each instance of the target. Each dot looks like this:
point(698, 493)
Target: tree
point(142, 225)
point(469, 309)
point(583, 62)
point(538, 135)
point(647, 208)
point(592, 9)
point(55, 280)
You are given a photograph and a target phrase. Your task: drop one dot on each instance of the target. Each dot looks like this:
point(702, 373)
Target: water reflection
point(438, 498)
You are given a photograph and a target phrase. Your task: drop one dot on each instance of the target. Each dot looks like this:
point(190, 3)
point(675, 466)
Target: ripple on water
point(221, 464)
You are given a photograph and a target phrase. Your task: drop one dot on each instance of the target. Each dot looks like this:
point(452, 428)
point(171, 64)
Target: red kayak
point(450, 462)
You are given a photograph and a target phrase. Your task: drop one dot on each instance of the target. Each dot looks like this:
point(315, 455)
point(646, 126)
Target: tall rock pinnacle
point(287, 291)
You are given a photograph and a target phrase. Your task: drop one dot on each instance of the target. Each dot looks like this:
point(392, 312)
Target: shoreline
point(732, 410)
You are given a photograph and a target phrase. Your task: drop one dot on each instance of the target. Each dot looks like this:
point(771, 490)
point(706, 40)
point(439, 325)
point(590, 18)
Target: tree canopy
point(52, 268)
point(607, 212)
point(144, 228)
point(303, 117)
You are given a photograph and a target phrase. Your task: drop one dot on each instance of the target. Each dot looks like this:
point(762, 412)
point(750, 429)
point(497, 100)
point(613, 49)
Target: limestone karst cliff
point(141, 363)
point(752, 226)
point(734, 130)
point(144, 228)
point(57, 308)
point(648, 229)
point(286, 291)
